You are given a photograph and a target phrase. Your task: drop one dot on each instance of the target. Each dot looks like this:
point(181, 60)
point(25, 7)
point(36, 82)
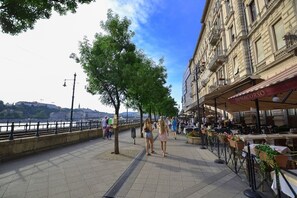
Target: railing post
point(90, 124)
point(56, 129)
point(47, 124)
point(26, 127)
point(219, 160)
point(11, 131)
point(37, 132)
point(251, 192)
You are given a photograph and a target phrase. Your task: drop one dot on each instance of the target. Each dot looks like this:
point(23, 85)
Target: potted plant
point(235, 142)
point(270, 157)
point(223, 137)
point(193, 137)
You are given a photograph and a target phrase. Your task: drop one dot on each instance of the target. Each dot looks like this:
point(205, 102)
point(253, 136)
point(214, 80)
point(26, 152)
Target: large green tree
point(146, 85)
point(108, 63)
point(17, 16)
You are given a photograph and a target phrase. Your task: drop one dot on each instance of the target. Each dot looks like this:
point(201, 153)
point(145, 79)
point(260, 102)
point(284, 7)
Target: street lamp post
point(72, 101)
point(197, 96)
point(197, 71)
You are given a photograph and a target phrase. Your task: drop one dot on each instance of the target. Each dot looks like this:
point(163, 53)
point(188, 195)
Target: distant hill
point(23, 110)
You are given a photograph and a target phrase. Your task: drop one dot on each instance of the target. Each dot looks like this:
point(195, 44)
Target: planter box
point(222, 138)
point(280, 160)
point(194, 140)
point(210, 133)
point(236, 144)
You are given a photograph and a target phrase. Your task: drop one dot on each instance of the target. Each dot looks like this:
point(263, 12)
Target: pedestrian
point(104, 126)
point(163, 135)
point(174, 127)
point(109, 126)
point(148, 134)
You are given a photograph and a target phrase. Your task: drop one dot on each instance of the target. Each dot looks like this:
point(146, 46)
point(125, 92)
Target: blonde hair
point(162, 126)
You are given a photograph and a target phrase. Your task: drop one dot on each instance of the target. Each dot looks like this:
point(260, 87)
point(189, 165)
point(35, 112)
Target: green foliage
point(193, 134)
point(108, 61)
point(17, 16)
point(270, 153)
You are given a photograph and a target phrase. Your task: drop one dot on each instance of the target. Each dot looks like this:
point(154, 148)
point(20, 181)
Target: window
point(292, 112)
point(278, 33)
point(232, 34)
point(253, 11)
point(228, 6)
point(221, 76)
point(259, 50)
point(235, 64)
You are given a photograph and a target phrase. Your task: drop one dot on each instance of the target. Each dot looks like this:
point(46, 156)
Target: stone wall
point(10, 149)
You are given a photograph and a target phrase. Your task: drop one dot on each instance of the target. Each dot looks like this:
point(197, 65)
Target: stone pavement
point(89, 169)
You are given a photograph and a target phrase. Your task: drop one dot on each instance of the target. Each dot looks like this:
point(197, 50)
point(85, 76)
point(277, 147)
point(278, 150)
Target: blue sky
point(34, 64)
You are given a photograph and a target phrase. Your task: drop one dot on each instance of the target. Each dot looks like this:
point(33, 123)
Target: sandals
point(148, 154)
point(153, 152)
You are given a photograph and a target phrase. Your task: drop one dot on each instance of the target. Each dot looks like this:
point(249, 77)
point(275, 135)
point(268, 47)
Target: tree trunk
point(141, 120)
point(116, 132)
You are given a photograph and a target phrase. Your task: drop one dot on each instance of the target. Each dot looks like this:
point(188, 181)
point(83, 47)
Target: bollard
point(133, 134)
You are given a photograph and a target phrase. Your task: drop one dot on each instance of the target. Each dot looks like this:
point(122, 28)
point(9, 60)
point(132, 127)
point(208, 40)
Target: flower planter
point(210, 133)
point(194, 140)
point(222, 138)
point(236, 144)
point(279, 160)
point(203, 131)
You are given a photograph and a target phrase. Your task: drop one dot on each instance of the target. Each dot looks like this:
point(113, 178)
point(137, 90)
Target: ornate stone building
point(241, 44)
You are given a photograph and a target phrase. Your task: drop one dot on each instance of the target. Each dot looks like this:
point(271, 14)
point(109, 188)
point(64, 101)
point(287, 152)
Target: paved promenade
point(89, 169)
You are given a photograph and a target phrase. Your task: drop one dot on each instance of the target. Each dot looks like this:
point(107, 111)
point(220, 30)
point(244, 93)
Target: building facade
point(242, 43)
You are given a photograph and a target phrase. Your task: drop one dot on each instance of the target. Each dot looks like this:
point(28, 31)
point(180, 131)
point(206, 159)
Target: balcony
point(214, 35)
point(212, 88)
point(204, 82)
point(218, 59)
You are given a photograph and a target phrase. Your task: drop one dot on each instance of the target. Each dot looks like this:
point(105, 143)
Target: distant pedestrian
point(163, 135)
point(104, 126)
point(109, 128)
point(174, 127)
point(147, 129)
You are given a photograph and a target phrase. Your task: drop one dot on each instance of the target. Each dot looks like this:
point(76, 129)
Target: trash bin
point(133, 132)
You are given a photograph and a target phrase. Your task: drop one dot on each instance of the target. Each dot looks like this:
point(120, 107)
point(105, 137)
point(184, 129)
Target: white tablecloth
point(292, 179)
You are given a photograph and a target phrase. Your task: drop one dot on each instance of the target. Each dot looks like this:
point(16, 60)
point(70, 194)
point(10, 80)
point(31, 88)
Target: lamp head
point(64, 85)
point(275, 99)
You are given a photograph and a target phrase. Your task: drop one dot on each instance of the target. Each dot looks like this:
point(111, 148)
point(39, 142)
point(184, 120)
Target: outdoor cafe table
point(269, 138)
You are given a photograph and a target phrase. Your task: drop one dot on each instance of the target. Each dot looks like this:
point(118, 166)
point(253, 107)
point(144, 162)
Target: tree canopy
point(108, 63)
point(17, 16)
point(121, 74)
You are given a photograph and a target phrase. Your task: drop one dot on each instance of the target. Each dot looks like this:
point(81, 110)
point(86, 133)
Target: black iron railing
point(12, 130)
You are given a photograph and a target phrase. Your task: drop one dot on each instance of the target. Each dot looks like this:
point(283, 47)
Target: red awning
point(285, 81)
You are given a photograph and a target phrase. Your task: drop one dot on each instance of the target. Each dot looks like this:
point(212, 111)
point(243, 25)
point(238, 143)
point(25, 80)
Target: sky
point(34, 63)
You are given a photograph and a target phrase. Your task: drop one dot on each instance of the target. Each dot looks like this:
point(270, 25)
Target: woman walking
point(148, 134)
point(163, 135)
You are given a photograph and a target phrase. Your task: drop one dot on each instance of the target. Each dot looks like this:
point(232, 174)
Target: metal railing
point(12, 130)
point(247, 167)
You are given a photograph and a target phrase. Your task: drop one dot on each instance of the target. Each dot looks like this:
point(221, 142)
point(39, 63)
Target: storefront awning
point(282, 85)
point(219, 97)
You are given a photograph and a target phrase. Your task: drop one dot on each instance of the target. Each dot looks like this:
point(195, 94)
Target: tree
point(17, 16)
point(146, 76)
point(108, 63)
